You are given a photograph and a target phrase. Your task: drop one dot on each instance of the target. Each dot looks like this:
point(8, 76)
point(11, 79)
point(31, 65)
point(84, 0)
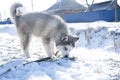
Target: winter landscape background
point(97, 55)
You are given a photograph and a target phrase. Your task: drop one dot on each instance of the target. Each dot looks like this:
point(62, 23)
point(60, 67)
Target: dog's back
point(38, 23)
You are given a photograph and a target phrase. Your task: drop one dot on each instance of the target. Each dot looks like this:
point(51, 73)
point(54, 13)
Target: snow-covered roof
point(66, 6)
point(107, 5)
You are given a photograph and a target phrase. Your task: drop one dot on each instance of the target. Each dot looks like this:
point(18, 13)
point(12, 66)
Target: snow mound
point(97, 55)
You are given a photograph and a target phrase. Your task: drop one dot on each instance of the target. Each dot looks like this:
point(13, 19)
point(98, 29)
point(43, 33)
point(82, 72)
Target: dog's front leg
point(46, 44)
point(54, 50)
point(50, 48)
point(25, 38)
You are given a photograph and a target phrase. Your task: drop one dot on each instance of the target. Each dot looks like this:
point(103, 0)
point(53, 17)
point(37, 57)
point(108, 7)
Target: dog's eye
point(65, 39)
point(65, 48)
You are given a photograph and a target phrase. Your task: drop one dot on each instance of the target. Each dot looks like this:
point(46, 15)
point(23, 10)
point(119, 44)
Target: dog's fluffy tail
point(15, 11)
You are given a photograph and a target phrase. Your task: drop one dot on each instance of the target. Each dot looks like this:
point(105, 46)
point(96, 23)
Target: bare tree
point(90, 5)
point(0, 17)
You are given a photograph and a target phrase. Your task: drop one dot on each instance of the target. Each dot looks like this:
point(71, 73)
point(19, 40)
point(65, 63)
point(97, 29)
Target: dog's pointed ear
point(75, 38)
point(64, 38)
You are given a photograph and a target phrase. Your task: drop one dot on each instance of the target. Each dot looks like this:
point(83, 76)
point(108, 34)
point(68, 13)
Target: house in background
point(72, 12)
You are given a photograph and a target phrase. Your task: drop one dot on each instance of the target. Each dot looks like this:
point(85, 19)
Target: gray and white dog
point(51, 28)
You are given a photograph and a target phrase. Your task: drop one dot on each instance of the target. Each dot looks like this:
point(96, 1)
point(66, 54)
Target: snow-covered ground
point(97, 55)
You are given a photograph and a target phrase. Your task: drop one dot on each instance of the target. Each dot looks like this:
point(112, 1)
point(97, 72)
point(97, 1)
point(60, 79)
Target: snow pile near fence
point(99, 34)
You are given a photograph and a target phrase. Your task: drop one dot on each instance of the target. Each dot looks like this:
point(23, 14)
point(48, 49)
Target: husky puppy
point(51, 28)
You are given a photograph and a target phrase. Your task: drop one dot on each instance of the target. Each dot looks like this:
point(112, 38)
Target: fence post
point(116, 11)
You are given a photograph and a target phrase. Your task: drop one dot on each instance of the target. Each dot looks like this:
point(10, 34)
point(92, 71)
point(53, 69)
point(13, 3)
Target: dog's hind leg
point(25, 39)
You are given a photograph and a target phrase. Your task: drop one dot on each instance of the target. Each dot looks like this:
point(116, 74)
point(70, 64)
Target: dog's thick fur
point(51, 28)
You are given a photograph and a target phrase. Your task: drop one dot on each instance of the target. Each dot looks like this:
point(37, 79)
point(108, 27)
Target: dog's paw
point(53, 58)
point(58, 54)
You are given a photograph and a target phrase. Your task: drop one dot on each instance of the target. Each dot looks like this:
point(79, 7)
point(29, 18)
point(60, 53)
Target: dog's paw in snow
point(58, 54)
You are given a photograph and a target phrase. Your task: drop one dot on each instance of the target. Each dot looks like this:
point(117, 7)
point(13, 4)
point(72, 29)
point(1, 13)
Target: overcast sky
point(39, 5)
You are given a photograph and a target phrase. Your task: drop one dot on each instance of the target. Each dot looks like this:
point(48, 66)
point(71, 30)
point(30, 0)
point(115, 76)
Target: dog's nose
point(66, 56)
point(65, 49)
